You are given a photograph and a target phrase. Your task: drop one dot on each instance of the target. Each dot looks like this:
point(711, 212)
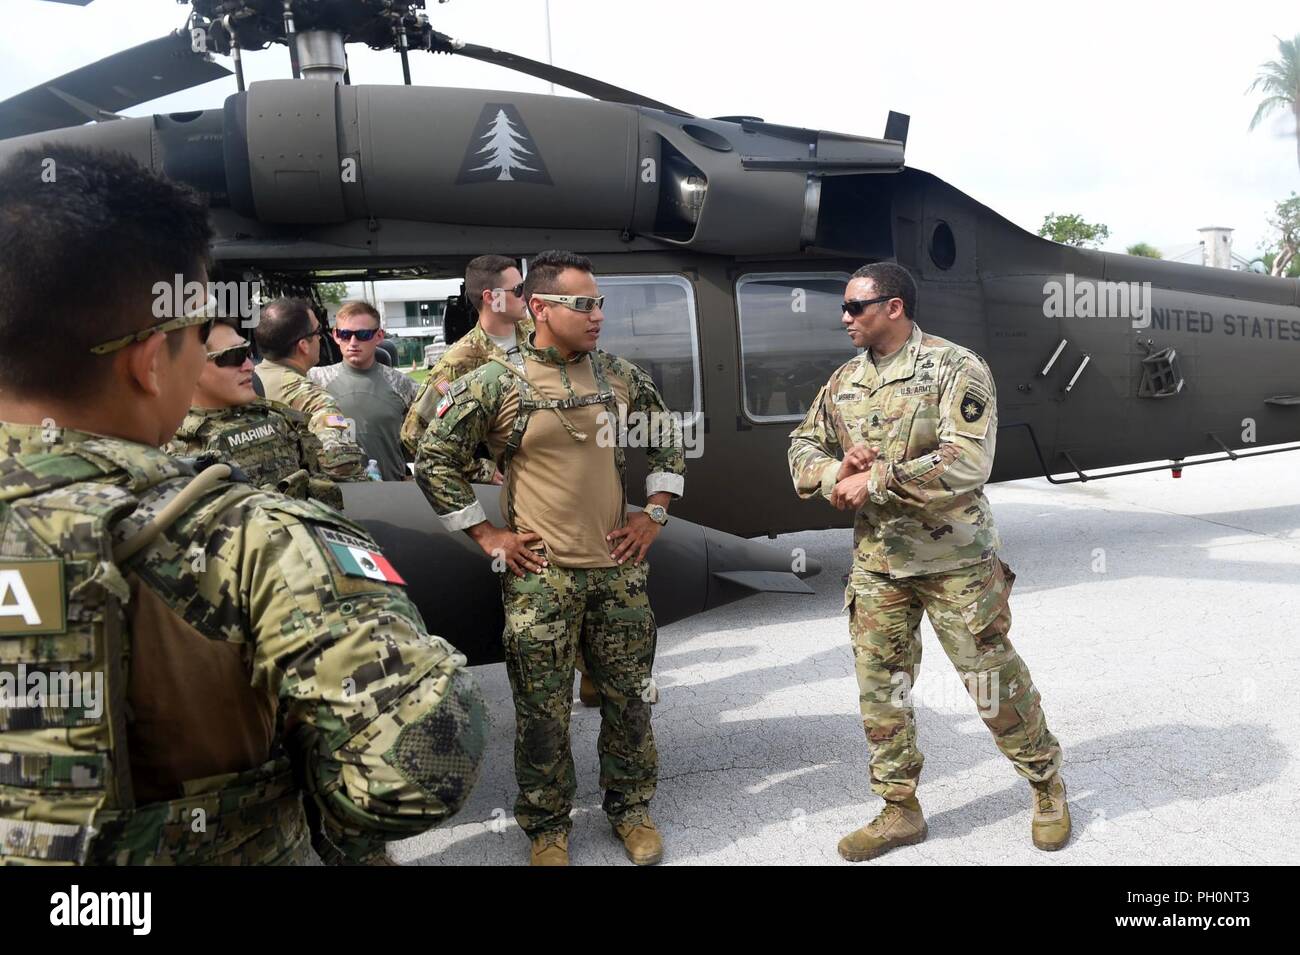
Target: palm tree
point(1280, 79)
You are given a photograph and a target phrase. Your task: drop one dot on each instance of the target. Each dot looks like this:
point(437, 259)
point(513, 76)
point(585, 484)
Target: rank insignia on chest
point(972, 406)
point(875, 421)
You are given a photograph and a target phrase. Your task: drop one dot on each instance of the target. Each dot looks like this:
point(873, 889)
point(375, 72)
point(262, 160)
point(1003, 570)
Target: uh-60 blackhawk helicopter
point(722, 245)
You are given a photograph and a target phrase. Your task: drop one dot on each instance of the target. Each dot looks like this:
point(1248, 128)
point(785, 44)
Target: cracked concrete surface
point(1160, 619)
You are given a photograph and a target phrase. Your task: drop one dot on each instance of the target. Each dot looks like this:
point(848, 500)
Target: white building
point(1214, 251)
point(410, 307)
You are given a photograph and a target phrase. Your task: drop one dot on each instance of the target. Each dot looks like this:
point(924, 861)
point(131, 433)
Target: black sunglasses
point(320, 331)
point(363, 334)
point(857, 306)
point(232, 357)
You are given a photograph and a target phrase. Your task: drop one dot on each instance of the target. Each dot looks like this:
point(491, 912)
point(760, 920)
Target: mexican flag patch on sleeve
point(357, 557)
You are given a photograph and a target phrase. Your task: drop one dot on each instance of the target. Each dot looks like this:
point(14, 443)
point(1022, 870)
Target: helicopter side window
point(650, 320)
point(791, 340)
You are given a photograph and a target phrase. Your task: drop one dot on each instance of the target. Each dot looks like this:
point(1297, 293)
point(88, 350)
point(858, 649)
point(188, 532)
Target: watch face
point(659, 514)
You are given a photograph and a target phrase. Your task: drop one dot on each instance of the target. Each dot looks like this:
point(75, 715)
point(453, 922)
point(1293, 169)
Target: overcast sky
point(1133, 114)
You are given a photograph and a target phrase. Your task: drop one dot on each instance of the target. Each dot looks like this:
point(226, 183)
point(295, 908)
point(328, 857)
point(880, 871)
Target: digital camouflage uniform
point(466, 354)
point(270, 443)
point(923, 541)
point(601, 610)
point(341, 457)
point(253, 652)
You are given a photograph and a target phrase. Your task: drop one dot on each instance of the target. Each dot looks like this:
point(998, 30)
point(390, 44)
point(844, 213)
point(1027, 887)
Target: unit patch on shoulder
point(972, 405)
point(32, 597)
point(443, 405)
point(356, 557)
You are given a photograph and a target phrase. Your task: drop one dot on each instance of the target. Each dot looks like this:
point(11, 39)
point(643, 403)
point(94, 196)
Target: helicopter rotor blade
point(138, 75)
point(441, 43)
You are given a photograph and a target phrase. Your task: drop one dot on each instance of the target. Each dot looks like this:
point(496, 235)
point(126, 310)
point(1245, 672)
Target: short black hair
point(893, 280)
point(284, 322)
point(482, 274)
point(545, 268)
point(84, 238)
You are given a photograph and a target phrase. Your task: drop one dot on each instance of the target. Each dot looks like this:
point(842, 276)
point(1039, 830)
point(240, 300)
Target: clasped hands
point(850, 491)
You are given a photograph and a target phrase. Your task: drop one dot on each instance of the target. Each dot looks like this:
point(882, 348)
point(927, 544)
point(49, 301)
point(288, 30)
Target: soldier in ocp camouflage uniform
point(491, 284)
point(573, 579)
point(270, 443)
point(904, 434)
point(289, 337)
point(257, 656)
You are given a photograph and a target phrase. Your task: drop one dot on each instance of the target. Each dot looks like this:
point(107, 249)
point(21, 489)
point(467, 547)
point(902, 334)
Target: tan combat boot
point(550, 848)
point(1051, 827)
point(641, 840)
point(587, 691)
point(899, 824)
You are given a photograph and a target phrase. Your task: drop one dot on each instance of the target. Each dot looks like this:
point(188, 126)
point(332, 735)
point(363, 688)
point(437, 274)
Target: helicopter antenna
point(291, 38)
point(234, 52)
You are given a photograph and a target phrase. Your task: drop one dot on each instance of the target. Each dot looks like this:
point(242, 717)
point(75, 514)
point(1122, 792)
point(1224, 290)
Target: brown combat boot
point(550, 848)
point(587, 691)
point(1051, 828)
point(899, 824)
point(641, 840)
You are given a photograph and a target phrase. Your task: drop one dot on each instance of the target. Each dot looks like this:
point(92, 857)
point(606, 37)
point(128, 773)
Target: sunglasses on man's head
point(232, 357)
point(362, 334)
point(579, 303)
point(202, 320)
point(856, 306)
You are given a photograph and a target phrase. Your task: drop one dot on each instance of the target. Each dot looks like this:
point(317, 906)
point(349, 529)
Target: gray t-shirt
point(377, 402)
point(504, 342)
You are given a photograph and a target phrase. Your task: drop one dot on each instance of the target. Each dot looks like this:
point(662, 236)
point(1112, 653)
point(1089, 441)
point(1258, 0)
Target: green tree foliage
point(1070, 229)
point(331, 293)
point(1144, 249)
point(1282, 257)
point(1279, 80)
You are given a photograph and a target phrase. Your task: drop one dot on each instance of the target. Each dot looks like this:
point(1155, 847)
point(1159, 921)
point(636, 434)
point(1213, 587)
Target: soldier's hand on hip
point(850, 493)
point(504, 545)
point(498, 478)
point(859, 458)
point(634, 538)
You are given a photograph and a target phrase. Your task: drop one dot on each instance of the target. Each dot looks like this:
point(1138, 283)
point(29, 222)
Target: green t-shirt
point(368, 398)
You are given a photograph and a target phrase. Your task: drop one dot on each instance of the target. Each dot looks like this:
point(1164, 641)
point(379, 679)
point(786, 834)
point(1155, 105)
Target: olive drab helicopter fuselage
point(722, 245)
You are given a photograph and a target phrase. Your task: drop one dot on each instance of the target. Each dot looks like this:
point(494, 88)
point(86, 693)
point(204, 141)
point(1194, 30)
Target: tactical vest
point(528, 403)
point(269, 458)
point(66, 794)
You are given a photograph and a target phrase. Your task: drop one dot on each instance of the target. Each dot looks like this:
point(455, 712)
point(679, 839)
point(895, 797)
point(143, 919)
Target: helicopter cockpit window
point(650, 319)
point(791, 340)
